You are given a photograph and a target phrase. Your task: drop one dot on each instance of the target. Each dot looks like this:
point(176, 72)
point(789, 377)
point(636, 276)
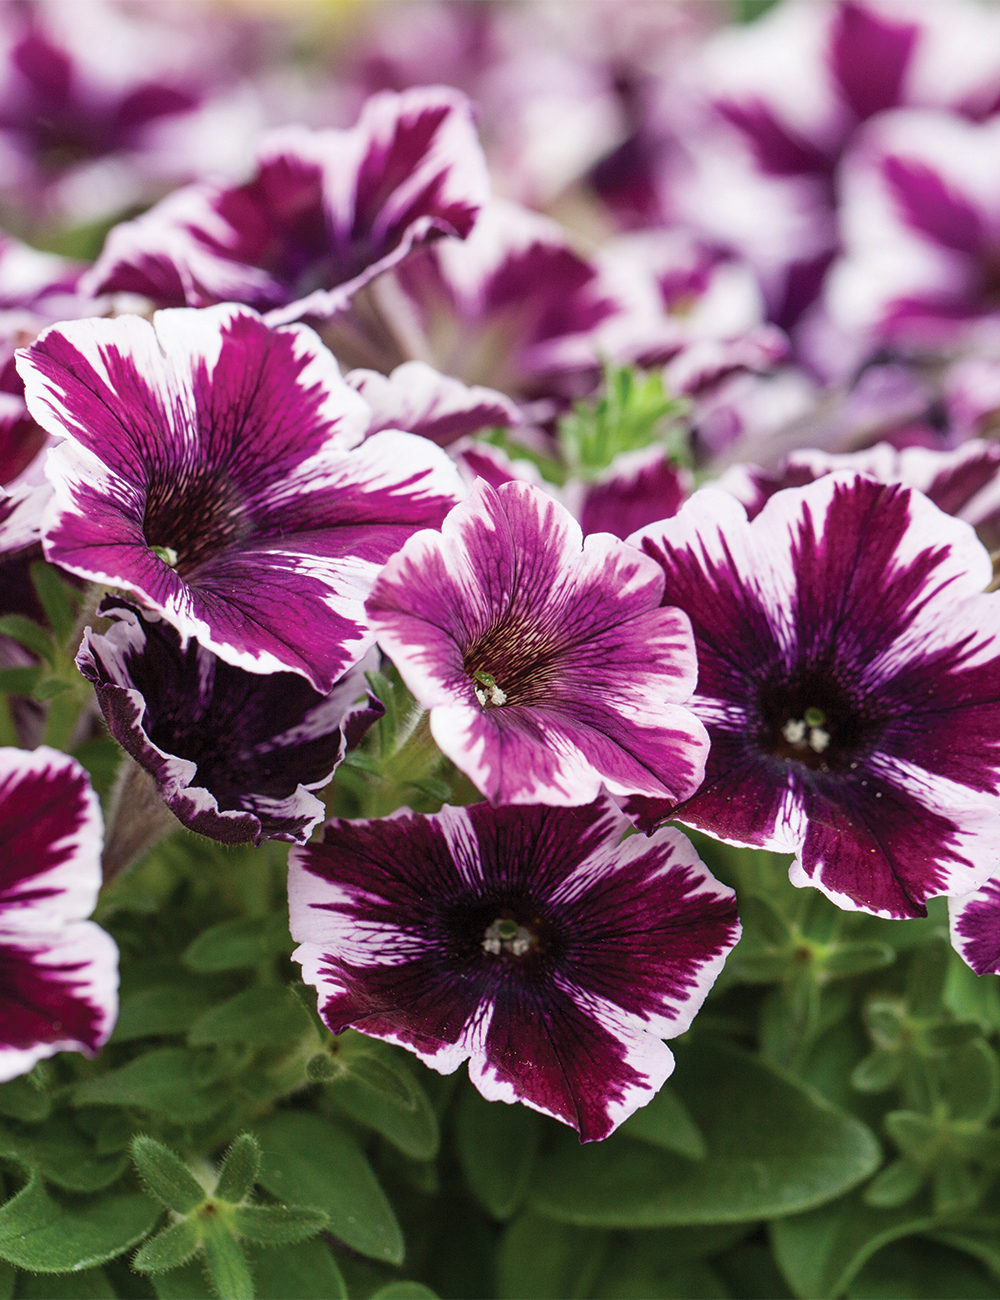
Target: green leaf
point(29, 634)
point(666, 1123)
point(8, 1278)
point(240, 1170)
point(760, 917)
point(165, 1080)
point(166, 1175)
point(972, 1083)
point(233, 945)
point(496, 1147)
point(162, 1009)
point(91, 1284)
point(820, 1252)
point(62, 1155)
point(101, 757)
point(24, 1100)
point(543, 1260)
point(19, 681)
point(311, 1161)
point(922, 1270)
point(857, 959)
point(926, 978)
point(168, 1249)
point(877, 1072)
point(46, 1234)
point(264, 1017)
point(404, 1291)
point(981, 1245)
point(774, 1148)
point(306, 1271)
point(915, 1135)
point(375, 1088)
point(896, 1184)
point(189, 1282)
point(55, 598)
point(278, 1225)
point(665, 1263)
point(226, 1263)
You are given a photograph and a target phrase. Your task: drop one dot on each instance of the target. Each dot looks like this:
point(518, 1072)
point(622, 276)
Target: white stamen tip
point(794, 731)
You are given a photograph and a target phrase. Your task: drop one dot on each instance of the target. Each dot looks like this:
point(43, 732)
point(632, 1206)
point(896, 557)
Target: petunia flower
point(417, 398)
point(211, 469)
point(975, 927)
point(528, 941)
point(544, 659)
point(233, 754)
point(59, 990)
point(324, 213)
point(849, 677)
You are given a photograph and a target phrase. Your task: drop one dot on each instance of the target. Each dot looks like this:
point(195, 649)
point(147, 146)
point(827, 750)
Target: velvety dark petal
point(234, 754)
point(620, 945)
point(849, 676)
point(975, 928)
point(225, 446)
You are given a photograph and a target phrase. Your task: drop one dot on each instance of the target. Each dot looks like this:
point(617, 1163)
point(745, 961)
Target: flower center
point(807, 732)
point(505, 935)
point(488, 693)
point(188, 521)
point(816, 719)
point(513, 663)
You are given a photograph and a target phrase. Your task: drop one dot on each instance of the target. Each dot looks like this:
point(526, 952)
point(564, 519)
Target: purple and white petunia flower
point(235, 755)
point(211, 467)
point(849, 677)
point(964, 482)
point(60, 972)
point(530, 942)
point(417, 398)
point(975, 927)
point(543, 657)
point(325, 212)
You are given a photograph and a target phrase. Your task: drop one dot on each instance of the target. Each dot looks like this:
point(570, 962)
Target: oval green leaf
point(43, 1234)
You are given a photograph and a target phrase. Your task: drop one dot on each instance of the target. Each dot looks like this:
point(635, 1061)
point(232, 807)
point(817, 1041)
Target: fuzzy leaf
point(45, 1234)
point(22, 1099)
point(168, 1249)
point(278, 1225)
point(539, 1259)
point(166, 1175)
point(774, 1148)
point(857, 959)
point(189, 1282)
point(375, 1088)
point(91, 1284)
point(61, 1154)
point(496, 1147)
point(164, 1009)
point(307, 1271)
point(239, 1172)
point(265, 1017)
point(226, 1263)
point(894, 1185)
point(234, 945)
point(972, 1085)
point(666, 1123)
point(312, 1161)
point(165, 1080)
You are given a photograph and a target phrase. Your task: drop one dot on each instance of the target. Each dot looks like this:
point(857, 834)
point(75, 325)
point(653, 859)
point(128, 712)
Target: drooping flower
point(544, 659)
point(849, 676)
point(325, 212)
point(211, 468)
point(528, 941)
point(59, 990)
point(234, 754)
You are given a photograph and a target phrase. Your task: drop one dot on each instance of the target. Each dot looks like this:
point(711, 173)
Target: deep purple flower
point(211, 468)
point(234, 754)
point(417, 398)
point(528, 941)
point(59, 990)
point(849, 676)
point(544, 659)
point(922, 231)
point(975, 927)
point(325, 212)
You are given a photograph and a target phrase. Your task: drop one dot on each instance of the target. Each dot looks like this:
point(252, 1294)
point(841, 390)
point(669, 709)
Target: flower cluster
point(344, 427)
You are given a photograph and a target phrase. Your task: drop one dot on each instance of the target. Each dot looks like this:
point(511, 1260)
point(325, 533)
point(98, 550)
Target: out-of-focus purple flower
point(964, 482)
point(325, 212)
point(528, 941)
point(544, 659)
point(849, 676)
point(975, 927)
point(921, 223)
point(60, 971)
point(233, 754)
point(210, 467)
point(417, 398)
point(636, 489)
